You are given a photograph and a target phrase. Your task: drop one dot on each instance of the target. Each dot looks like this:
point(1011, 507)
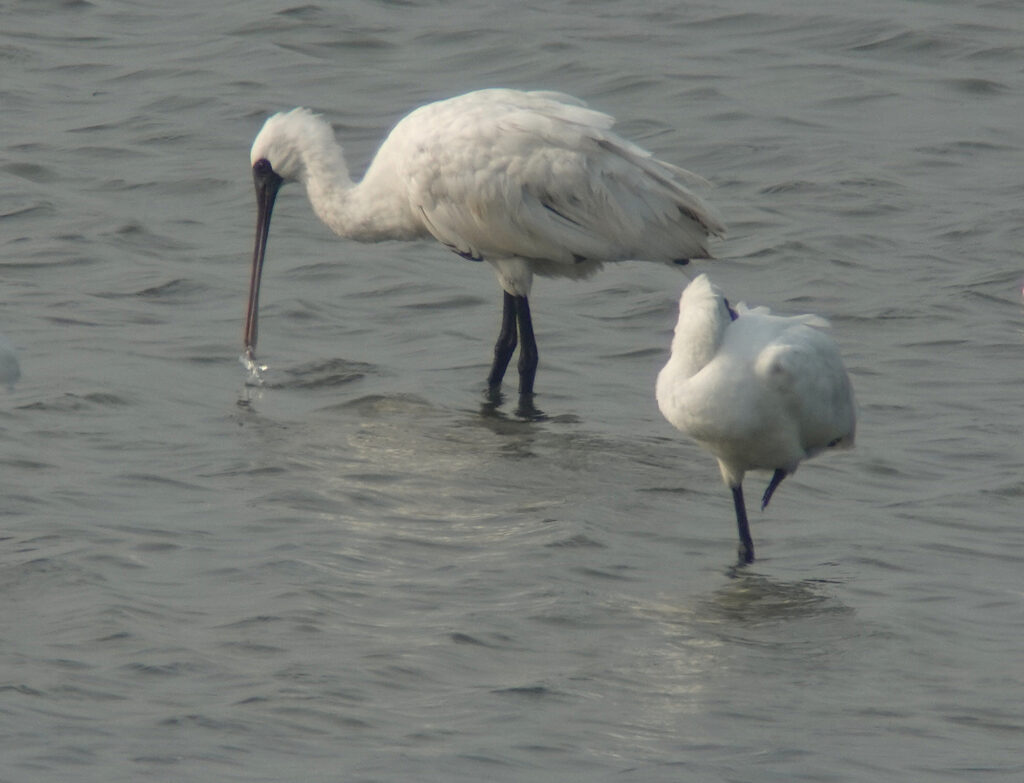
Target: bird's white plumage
point(761, 391)
point(532, 182)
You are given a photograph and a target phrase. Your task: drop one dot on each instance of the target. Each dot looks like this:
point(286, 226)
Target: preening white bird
point(759, 391)
point(530, 182)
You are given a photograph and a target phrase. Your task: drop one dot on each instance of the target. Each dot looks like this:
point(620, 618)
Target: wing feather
point(804, 368)
point(501, 173)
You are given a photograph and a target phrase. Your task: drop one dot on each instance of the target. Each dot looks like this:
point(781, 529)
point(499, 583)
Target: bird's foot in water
point(526, 410)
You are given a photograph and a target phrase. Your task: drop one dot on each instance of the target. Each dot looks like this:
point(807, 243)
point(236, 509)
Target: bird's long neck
point(328, 185)
point(699, 333)
point(368, 211)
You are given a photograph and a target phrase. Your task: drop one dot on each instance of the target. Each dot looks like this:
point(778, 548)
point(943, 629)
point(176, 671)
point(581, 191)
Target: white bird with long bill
point(530, 182)
point(759, 391)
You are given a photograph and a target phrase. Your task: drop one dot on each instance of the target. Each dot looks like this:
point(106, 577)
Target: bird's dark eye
point(262, 166)
point(733, 315)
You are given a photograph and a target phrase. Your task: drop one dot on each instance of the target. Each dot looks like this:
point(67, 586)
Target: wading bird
point(759, 391)
point(530, 182)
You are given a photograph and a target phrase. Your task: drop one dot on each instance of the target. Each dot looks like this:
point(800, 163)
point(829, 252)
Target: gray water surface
point(362, 570)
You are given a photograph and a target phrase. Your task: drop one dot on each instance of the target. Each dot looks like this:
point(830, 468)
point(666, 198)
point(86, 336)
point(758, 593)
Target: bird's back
point(510, 174)
point(797, 383)
point(802, 364)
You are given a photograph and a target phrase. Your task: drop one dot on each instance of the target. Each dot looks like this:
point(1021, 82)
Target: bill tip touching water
point(253, 367)
point(533, 183)
point(757, 390)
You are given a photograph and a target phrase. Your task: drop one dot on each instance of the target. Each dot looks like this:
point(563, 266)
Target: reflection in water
point(320, 374)
point(714, 651)
point(750, 605)
point(752, 599)
point(10, 369)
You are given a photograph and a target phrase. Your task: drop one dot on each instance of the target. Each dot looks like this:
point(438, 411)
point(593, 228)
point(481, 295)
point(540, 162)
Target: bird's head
point(287, 148)
point(283, 138)
point(276, 158)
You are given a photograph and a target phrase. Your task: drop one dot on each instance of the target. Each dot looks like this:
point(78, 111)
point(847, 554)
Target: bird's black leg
point(772, 486)
point(746, 548)
point(528, 356)
point(506, 345)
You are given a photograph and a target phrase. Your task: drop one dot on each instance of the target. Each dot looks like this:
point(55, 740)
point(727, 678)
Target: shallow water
point(364, 570)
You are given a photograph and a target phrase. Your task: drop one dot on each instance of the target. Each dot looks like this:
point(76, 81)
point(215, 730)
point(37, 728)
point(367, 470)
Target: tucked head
point(702, 300)
point(700, 289)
